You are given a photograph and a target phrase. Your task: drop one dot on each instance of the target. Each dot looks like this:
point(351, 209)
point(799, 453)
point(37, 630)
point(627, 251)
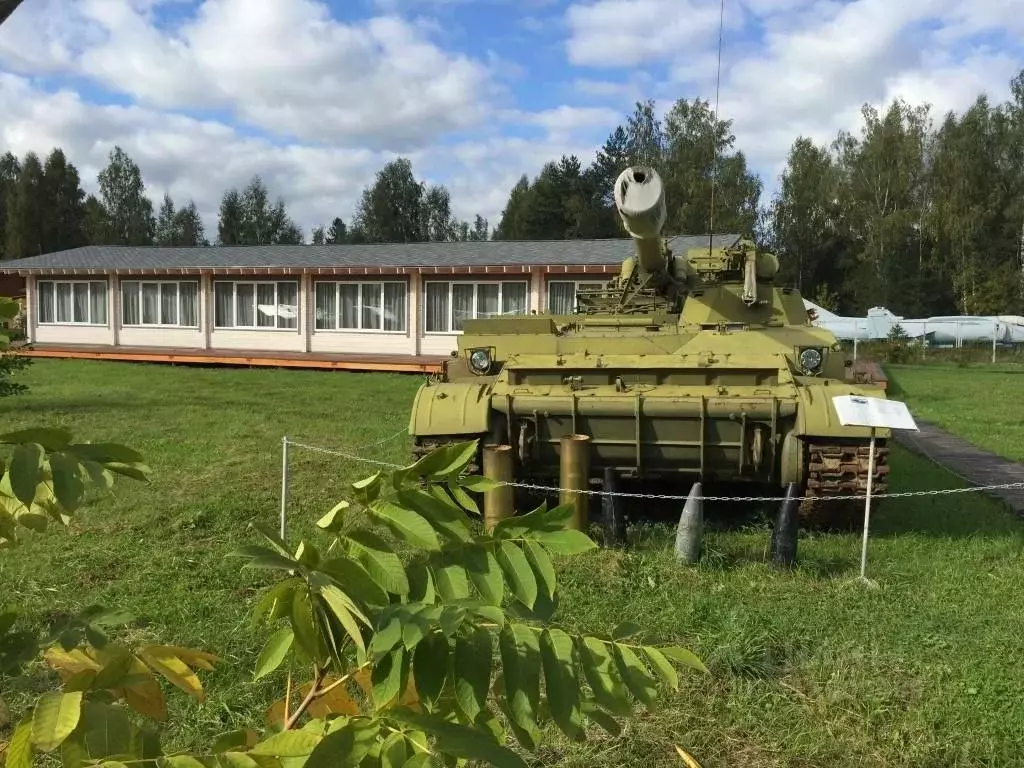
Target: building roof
point(378, 257)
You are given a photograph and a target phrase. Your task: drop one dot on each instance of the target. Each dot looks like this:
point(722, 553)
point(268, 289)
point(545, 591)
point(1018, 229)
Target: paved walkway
point(972, 464)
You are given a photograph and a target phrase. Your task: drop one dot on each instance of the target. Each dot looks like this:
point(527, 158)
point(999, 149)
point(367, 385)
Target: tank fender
point(816, 415)
point(450, 409)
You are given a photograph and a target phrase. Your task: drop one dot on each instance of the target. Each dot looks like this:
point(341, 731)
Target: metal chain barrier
point(553, 490)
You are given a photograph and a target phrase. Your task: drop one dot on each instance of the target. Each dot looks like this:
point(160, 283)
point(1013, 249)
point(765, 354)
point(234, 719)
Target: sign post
point(875, 413)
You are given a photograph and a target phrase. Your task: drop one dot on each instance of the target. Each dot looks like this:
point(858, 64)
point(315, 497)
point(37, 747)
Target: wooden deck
point(864, 371)
point(968, 462)
point(246, 357)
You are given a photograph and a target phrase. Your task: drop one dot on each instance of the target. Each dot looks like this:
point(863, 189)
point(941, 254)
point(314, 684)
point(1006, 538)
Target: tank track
point(833, 469)
point(840, 469)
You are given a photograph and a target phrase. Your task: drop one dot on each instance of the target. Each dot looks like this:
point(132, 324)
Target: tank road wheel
point(841, 469)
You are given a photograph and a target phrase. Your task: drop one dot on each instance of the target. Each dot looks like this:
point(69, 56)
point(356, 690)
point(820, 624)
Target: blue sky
point(315, 96)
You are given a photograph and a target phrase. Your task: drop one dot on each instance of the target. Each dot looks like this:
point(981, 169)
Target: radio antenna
point(714, 143)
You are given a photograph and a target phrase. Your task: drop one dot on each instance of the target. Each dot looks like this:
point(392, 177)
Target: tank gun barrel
point(640, 200)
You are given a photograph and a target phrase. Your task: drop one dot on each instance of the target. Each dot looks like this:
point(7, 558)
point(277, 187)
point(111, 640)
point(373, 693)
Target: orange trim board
point(396, 366)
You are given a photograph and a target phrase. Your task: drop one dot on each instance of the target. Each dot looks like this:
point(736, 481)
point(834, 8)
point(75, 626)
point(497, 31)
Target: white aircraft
point(938, 331)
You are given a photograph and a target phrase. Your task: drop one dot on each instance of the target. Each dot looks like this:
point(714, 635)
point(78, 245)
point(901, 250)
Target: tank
point(690, 366)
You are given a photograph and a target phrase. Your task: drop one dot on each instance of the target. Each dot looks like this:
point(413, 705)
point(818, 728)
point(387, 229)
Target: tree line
point(922, 216)
point(43, 209)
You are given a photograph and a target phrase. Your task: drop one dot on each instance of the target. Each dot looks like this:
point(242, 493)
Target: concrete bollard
point(784, 534)
point(690, 531)
point(574, 477)
point(499, 503)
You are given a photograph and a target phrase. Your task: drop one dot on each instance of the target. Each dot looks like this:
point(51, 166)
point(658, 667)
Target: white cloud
point(816, 63)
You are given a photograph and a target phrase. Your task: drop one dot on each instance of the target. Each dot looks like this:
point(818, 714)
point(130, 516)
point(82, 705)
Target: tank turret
point(652, 279)
point(640, 200)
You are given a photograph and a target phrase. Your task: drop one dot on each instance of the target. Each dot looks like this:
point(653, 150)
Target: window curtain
point(394, 306)
point(561, 297)
point(130, 303)
point(169, 303)
point(488, 300)
point(245, 305)
point(326, 305)
point(287, 305)
point(98, 303)
point(513, 299)
point(64, 302)
point(223, 310)
point(372, 306)
point(266, 305)
point(44, 293)
point(462, 304)
point(188, 307)
point(81, 302)
point(150, 304)
point(436, 320)
point(349, 293)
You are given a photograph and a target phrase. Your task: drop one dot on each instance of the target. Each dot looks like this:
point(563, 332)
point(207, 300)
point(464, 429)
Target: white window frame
point(160, 303)
point(476, 300)
point(575, 289)
point(255, 300)
point(361, 284)
point(54, 282)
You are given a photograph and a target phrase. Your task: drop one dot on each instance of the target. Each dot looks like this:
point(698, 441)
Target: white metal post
point(284, 481)
point(856, 332)
point(867, 507)
point(995, 331)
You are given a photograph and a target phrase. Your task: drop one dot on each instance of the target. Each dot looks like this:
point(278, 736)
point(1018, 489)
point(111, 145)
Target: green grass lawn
point(982, 404)
point(808, 668)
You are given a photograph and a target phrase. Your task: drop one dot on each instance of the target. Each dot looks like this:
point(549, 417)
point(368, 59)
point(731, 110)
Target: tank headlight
point(810, 359)
point(480, 360)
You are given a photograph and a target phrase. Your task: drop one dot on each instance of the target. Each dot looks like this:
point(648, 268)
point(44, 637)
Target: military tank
point(693, 366)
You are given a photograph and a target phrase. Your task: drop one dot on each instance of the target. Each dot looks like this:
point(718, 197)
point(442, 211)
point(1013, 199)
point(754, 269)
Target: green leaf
point(602, 718)
point(389, 676)
point(345, 746)
point(105, 731)
point(683, 656)
point(451, 580)
point(56, 716)
point(26, 471)
point(422, 760)
point(464, 499)
point(560, 681)
point(626, 629)
point(473, 660)
point(540, 520)
point(444, 461)
point(635, 675)
point(287, 744)
point(386, 638)
point(485, 573)
point(542, 567)
point(662, 666)
point(491, 613)
point(379, 560)
point(303, 625)
point(67, 482)
point(51, 438)
point(105, 453)
point(368, 489)
point(116, 667)
point(393, 752)
point(421, 583)
point(444, 516)
point(521, 668)
point(355, 580)
point(20, 752)
point(462, 741)
point(99, 475)
point(346, 612)
point(599, 669)
point(335, 519)
point(478, 483)
point(430, 667)
point(135, 471)
point(274, 652)
point(406, 525)
point(566, 542)
point(519, 573)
